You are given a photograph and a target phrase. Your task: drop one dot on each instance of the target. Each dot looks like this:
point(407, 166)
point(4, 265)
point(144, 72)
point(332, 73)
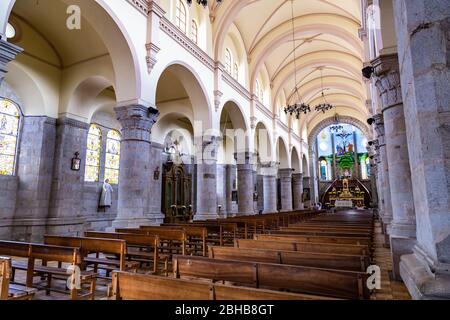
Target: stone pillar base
point(421, 281)
point(400, 246)
point(206, 216)
point(151, 220)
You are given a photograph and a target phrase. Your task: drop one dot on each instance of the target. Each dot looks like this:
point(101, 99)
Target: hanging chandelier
point(324, 106)
point(295, 105)
point(204, 3)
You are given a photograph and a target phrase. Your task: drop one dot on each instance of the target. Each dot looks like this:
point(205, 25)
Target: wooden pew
point(130, 286)
point(217, 233)
point(196, 236)
point(303, 246)
point(317, 239)
point(97, 246)
point(71, 256)
point(300, 279)
point(10, 291)
point(306, 259)
point(46, 254)
point(170, 239)
point(140, 247)
point(322, 232)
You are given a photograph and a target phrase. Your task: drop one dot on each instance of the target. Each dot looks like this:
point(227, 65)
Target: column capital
point(8, 53)
point(269, 168)
point(137, 121)
point(285, 173)
point(379, 125)
point(245, 157)
point(387, 73)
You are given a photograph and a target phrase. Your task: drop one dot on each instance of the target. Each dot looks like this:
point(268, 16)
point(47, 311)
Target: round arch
point(195, 89)
point(295, 160)
point(282, 154)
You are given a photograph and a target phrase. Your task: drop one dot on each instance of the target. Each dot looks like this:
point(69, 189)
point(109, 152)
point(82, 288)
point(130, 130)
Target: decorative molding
point(182, 39)
point(283, 125)
point(8, 53)
point(152, 52)
point(388, 82)
point(217, 99)
point(232, 82)
point(141, 5)
point(262, 108)
point(253, 122)
point(137, 121)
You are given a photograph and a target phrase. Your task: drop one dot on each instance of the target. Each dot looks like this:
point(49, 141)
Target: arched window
point(112, 163)
point(228, 59)
point(9, 131)
point(194, 32)
point(93, 152)
point(258, 90)
point(181, 16)
point(236, 71)
point(323, 170)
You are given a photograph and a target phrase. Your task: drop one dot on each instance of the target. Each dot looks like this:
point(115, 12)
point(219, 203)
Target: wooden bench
point(98, 247)
point(130, 286)
point(303, 246)
point(307, 259)
point(322, 232)
point(196, 236)
point(217, 233)
point(299, 279)
point(140, 247)
point(10, 291)
point(317, 239)
point(47, 254)
point(171, 240)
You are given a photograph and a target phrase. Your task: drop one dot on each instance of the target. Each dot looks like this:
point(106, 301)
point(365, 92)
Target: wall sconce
point(367, 72)
point(76, 162)
point(156, 174)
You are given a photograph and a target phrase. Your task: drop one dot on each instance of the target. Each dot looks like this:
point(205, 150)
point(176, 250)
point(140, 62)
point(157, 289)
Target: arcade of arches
point(181, 109)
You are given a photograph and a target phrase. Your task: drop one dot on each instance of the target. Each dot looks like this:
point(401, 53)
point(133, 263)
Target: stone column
point(221, 190)
point(65, 212)
point(269, 171)
point(423, 33)
point(35, 170)
point(8, 53)
point(260, 191)
point(245, 183)
point(334, 174)
point(155, 184)
point(136, 165)
point(307, 184)
point(297, 190)
point(229, 179)
point(386, 214)
point(286, 189)
point(207, 180)
point(403, 226)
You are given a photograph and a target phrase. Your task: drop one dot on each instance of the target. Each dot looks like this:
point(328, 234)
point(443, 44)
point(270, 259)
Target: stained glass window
point(112, 163)
point(9, 130)
point(194, 32)
point(181, 16)
point(93, 152)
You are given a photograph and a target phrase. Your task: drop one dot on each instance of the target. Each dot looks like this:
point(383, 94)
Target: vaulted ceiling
point(327, 45)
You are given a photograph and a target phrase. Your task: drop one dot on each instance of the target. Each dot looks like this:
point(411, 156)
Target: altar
point(346, 197)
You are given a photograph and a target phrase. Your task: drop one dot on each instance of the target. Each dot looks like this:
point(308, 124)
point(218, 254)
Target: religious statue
point(106, 196)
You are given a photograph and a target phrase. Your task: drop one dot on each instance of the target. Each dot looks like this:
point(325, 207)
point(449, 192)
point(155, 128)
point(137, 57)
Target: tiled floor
point(390, 289)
